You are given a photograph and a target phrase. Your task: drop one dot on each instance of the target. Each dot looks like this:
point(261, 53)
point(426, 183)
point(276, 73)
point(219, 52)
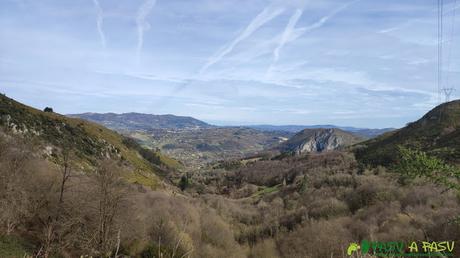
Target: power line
point(444, 87)
point(452, 33)
point(440, 33)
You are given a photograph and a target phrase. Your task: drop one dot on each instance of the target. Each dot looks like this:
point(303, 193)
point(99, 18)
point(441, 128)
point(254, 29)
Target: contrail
point(142, 25)
point(262, 18)
point(288, 31)
point(324, 19)
point(100, 21)
point(285, 36)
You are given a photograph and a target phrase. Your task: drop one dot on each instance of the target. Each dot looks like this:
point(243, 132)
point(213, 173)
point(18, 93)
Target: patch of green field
point(266, 190)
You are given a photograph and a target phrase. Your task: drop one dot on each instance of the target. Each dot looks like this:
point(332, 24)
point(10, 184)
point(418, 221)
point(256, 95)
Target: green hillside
point(89, 141)
point(436, 133)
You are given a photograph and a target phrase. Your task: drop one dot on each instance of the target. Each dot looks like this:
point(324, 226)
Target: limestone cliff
point(318, 140)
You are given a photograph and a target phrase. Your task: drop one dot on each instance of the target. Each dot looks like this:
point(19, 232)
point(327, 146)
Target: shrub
point(318, 238)
point(328, 208)
point(264, 249)
point(48, 109)
point(183, 183)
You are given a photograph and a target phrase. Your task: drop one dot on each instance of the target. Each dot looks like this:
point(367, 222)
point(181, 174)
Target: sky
point(362, 63)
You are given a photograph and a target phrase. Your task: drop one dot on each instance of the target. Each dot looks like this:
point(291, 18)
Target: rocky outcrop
point(318, 140)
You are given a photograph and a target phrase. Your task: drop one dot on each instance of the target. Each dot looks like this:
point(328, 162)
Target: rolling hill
point(436, 133)
point(89, 141)
point(318, 140)
point(143, 122)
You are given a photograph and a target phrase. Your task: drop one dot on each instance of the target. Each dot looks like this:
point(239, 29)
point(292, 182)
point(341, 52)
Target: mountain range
point(144, 122)
point(196, 143)
point(363, 132)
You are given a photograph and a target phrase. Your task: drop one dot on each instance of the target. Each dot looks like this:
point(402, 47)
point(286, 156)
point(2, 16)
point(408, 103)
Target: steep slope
point(437, 133)
point(143, 122)
point(318, 140)
point(90, 142)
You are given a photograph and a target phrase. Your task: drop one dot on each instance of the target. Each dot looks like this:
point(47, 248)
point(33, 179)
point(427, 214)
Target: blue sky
point(360, 63)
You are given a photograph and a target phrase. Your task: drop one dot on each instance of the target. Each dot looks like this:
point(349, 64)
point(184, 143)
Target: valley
point(258, 194)
point(199, 147)
point(192, 142)
point(197, 144)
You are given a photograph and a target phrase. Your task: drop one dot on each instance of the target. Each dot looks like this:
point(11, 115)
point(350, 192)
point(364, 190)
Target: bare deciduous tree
point(13, 199)
point(109, 192)
point(60, 220)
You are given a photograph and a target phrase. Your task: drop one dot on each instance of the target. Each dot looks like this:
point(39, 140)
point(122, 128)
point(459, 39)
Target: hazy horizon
point(356, 63)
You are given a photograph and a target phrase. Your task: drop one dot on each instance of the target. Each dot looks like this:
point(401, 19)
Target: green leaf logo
point(353, 247)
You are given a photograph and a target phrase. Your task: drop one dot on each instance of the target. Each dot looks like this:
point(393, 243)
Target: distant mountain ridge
point(318, 140)
point(363, 132)
point(144, 122)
